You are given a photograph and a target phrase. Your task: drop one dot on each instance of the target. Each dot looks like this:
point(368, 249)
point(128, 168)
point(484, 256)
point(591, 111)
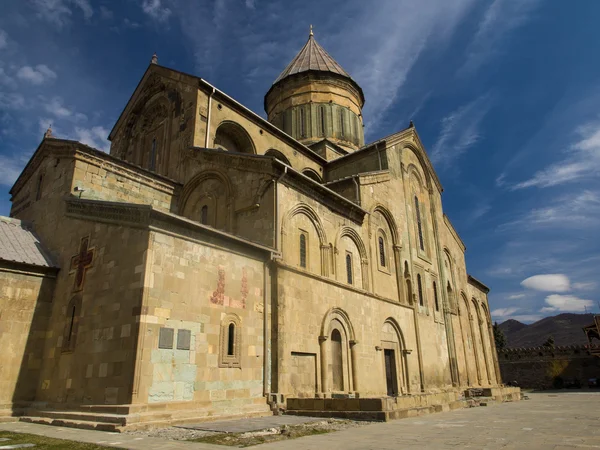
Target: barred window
point(302, 123)
point(322, 114)
point(381, 252)
point(435, 297)
point(419, 225)
point(349, 267)
point(303, 250)
point(420, 289)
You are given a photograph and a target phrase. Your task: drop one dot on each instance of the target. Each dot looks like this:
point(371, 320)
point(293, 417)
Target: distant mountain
point(565, 328)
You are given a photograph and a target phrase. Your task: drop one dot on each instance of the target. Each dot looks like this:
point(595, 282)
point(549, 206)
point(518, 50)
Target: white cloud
point(38, 75)
point(584, 286)
point(12, 101)
point(95, 137)
point(3, 39)
point(156, 10)
point(10, 168)
point(503, 312)
point(566, 303)
point(582, 161)
point(56, 107)
point(548, 283)
point(501, 18)
point(106, 13)
point(6, 79)
point(516, 296)
point(460, 130)
point(59, 12)
point(250, 4)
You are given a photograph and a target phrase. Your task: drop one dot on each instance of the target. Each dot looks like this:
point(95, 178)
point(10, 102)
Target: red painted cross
point(81, 262)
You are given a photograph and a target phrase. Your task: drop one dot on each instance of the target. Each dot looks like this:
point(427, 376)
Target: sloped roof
point(312, 57)
point(19, 244)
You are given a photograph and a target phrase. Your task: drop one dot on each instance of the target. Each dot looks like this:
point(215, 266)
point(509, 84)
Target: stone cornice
point(146, 217)
point(454, 233)
point(478, 284)
point(28, 269)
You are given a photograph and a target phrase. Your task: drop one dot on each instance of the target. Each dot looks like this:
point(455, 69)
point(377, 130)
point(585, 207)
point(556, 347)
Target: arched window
point(230, 342)
point(435, 297)
point(230, 339)
point(420, 289)
point(342, 122)
point(152, 163)
point(349, 267)
point(302, 123)
point(204, 215)
point(381, 252)
point(303, 250)
point(322, 119)
point(419, 225)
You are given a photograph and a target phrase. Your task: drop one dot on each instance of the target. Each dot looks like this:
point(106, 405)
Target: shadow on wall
point(549, 368)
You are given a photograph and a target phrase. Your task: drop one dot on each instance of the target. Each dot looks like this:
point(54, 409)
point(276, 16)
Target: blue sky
point(505, 95)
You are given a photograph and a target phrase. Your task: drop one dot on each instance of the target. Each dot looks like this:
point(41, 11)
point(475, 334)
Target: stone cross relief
point(81, 262)
point(219, 298)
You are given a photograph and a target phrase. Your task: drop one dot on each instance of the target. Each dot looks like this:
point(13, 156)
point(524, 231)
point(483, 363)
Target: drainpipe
point(208, 117)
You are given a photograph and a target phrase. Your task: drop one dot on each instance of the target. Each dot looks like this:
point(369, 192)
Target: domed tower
point(315, 99)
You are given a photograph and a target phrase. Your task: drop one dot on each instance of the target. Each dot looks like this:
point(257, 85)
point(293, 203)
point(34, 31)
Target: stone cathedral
point(217, 264)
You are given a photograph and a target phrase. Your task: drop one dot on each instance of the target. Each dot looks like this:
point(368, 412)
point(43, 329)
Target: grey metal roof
point(18, 243)
point(312, 57)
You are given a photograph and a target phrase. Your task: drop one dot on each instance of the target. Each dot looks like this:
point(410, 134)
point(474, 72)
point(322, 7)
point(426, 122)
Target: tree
point(549, 342)
point(499, 337)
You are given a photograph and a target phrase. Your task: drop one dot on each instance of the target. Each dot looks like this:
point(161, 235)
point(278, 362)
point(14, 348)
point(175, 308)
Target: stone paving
point(557, 421)
point(253, 424)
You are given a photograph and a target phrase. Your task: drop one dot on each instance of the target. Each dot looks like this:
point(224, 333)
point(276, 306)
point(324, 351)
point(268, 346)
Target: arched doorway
point(337, 361)
point(395, 367)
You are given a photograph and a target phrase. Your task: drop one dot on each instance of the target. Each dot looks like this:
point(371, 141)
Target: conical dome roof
point(312, 57)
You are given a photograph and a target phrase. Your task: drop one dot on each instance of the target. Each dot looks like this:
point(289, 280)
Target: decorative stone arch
point(450, 282)
point(230, 342)
point(420, 155)
point(481, 331)
point(408, 287)
point(362, 251)
point(389, 218)
point(492, 341)
point(278, 155)
point(232, 134)
point(336, 320)
point(152, 124)
point(312, 174)
point(464, 315)
point(190, 196)
point(421, 218)
point(401, 352)
point(306, 210)
point(472, 327)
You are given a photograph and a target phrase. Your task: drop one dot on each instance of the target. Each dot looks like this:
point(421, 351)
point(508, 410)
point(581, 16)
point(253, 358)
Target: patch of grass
point(250, 439)
point(42, 442)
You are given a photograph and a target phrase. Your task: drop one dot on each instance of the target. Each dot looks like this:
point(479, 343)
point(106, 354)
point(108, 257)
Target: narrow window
point(419, 225)
point(349, 267)
point(420, 288)
point(38, 193)
point(72, 323)
point(204, 215)
point(230, 340)
point(303, 250)
point(302, 124)
point(342, 122)
point(152, 165)
point(322, 112)
point(435, 297)
point(381, 252)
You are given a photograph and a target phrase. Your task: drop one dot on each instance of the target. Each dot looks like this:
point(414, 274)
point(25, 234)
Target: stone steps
point(71, 423)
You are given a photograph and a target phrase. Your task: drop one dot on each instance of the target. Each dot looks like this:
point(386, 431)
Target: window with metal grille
point(420, 289)
point(303, 250)
point(419, 225)
point(204, 215)
point(435, 297)
point(381, 252)
point(349, 267)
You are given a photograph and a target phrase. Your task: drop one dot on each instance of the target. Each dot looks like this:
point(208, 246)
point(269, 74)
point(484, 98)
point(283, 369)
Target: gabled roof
point(19, 244)
point(312, 57)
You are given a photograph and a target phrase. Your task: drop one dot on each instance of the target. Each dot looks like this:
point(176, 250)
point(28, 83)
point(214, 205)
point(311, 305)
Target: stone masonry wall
point(540, 367)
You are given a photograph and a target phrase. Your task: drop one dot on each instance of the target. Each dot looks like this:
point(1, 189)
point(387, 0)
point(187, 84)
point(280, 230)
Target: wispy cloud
point(500, 19)
point(11, 167)
point(156, 10)
point(3, 39)
point(37, 75)
point(557, 282)
point(56, 107)
point(514, 313)
point(460, 131)
point(12, 101)
point(59, 12)
point(582, 161)
point(95, 137)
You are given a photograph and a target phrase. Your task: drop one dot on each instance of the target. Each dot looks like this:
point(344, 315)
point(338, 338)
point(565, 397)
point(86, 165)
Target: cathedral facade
point(217, 264)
